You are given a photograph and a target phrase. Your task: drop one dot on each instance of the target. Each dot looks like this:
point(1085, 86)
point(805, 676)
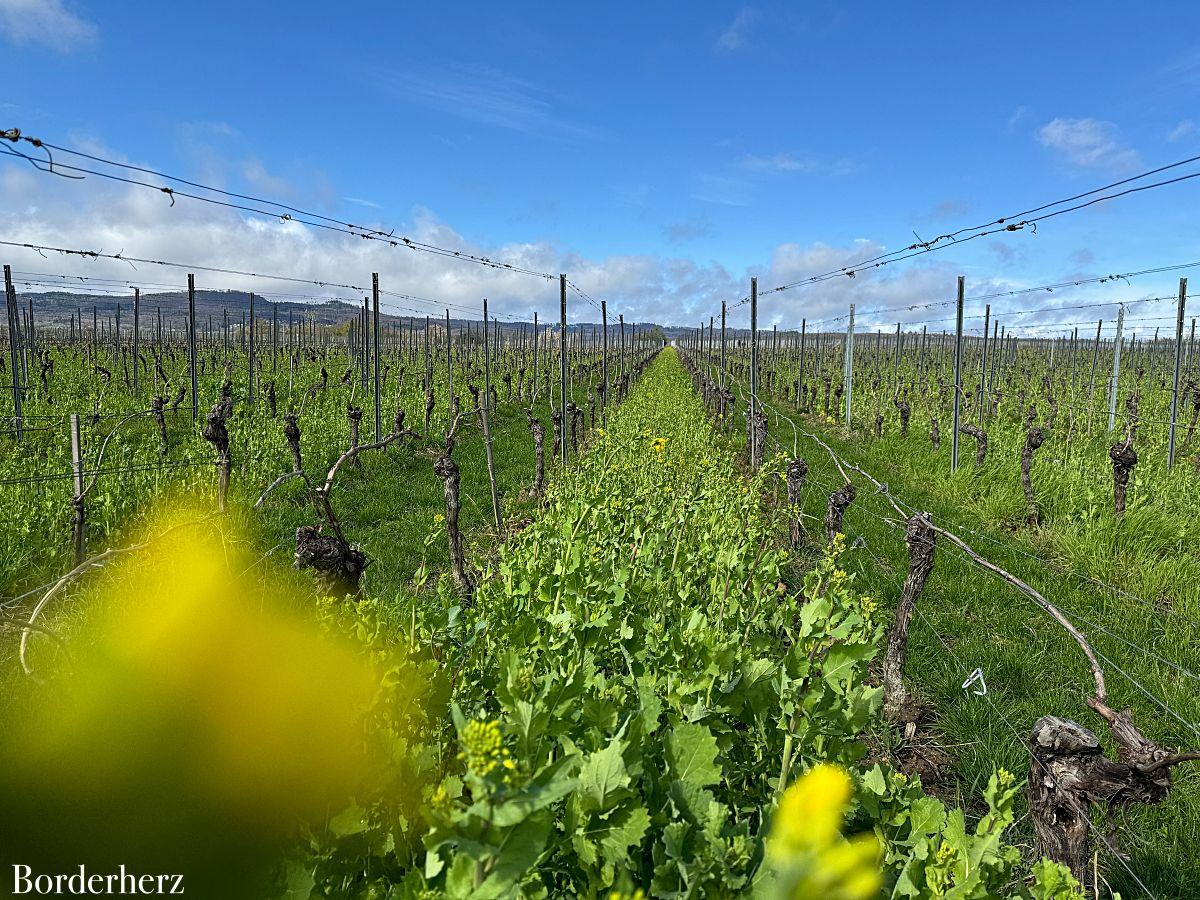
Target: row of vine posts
point(1070, 770)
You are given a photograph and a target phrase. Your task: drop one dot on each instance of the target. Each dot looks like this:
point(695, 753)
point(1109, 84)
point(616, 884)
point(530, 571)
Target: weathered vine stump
point(538, 431)
point(445, 468)
point(217, 433)
point(981, 441)
point(795, 475)
point(935, 435)
point(156, 409)
point(921, 540)
point(1070, 772)
point(291, 432)
point(1033, 440)
point(557, 422)
point(756, 436)
point(576, 415)
point(1124, 458)
point(337, 566)
point(839, 500)
point(354, 414)
point(905, 410)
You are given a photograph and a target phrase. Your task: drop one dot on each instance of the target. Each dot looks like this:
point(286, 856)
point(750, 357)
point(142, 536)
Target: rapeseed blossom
point(813, 859)
point(483, 749)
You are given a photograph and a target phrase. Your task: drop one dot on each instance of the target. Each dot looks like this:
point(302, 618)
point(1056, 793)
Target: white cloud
point(786, 162)
point(264, 182)
point(780, 162)
point(1089, 144)
point(111, 218)
point(720, 189)
point(487, 96)
point(1019, 115)
point(736, 35)
point(663, 287)
point(46, 22)
point(871, 289)
point(1186, 128)
point(687, 230)
point(948, 209)
point(1182, 73)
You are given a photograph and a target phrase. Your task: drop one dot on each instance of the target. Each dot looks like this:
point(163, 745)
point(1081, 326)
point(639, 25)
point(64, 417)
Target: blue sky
point(660, 154)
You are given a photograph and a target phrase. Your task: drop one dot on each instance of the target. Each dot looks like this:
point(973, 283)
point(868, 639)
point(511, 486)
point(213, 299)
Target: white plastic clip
point(976, 676)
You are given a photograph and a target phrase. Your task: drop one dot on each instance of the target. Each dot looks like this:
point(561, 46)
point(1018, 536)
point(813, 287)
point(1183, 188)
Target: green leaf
point(874, 780)
point(603, 774)
point(349, 821)
point(550, 785)
point(927, 815)
point(299, 882)
point(626, 827)
point(692, 753)
point(515, 855)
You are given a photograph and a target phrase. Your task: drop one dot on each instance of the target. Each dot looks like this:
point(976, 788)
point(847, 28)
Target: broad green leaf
point(299, 882)
point(927, 815)
point(515, 854)
point(692, 754)
point(603, 774)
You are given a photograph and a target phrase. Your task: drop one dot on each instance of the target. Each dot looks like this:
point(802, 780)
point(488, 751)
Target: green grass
point(389, 507)
point(968, 618)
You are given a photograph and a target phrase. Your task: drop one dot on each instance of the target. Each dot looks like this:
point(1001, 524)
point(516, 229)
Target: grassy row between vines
point(636, 688)
point(395, 490)
point(644, 699)
point(967, 618)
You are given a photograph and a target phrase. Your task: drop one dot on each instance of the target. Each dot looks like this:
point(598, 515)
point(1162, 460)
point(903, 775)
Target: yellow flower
point(810, 813)
point(483, 748)
point(659, 444)
point(441, 801)
point(814, 861)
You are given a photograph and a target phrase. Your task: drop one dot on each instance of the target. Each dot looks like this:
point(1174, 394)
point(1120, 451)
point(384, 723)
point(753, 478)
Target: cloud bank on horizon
point(713, 227)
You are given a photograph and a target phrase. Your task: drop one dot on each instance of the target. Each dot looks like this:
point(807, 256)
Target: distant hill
point(57, 307)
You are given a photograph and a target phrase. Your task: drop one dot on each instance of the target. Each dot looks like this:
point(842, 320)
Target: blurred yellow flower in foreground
point(812, 859)
point(199, 722)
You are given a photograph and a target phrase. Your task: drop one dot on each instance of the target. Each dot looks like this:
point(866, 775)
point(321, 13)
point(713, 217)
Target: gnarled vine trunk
point(981, 441)
point(1033, 440)
point(839, 500)
point(1124, 458)
point(921, 539)
point(795, 475)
